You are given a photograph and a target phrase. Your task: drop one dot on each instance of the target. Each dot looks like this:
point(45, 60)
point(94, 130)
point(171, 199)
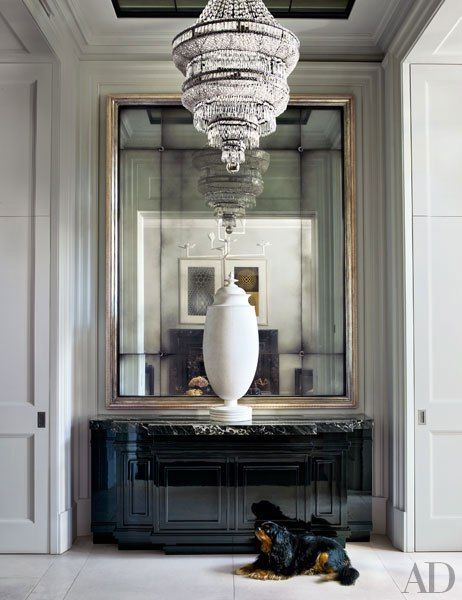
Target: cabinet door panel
point(328, 488)
point(192, 494)
point(137, 492)
point(280, 482)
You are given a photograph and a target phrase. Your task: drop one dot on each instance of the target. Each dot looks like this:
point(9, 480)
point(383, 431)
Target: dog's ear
point(282, 549)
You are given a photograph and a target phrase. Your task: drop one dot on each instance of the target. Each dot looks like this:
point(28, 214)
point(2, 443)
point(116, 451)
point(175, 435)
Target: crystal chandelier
point(229, 195)
point(236, 59)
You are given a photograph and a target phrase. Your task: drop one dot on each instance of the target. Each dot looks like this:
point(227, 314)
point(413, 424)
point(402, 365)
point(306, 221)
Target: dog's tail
point(346, 575)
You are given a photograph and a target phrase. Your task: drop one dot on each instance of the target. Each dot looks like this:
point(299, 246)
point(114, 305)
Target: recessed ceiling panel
point(309, 9)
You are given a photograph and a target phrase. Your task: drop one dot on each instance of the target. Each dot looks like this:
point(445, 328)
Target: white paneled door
point(25, 146)
point(437, 235)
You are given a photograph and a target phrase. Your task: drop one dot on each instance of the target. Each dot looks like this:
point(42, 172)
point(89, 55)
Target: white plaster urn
point(231, 350)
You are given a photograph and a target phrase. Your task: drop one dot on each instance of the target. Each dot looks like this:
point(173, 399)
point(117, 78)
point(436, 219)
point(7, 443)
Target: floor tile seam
point(78, 573)
point(52, 562)
point(12, 556)
point(403, 595)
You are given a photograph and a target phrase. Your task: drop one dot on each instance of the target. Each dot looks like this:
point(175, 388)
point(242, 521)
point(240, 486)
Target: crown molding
point(392, 19)
point(21, 31)
point(78, 22)
point(55, 26)
point(66, 17)
point(413, 25)
point(157, 46)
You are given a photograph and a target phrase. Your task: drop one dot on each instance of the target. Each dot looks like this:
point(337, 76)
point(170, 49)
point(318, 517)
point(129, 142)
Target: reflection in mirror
point(181, 229)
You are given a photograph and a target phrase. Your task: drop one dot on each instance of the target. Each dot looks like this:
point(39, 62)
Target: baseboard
point(64, 537)
point(396, 527)
point(379, 514)
point(83, 516)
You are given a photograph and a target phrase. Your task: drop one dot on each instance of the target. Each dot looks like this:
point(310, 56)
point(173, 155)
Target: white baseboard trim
point(64, 535)
point(83, 516)
point(396, 528)
point(379, 514)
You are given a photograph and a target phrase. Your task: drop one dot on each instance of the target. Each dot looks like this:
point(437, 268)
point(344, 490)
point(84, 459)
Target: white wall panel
point(17, 157)
point(441, 42)
point(25, 123)
point(438, 302)
point(17, 310)
point(446, 492)
point(436, 156)
point(17, 501)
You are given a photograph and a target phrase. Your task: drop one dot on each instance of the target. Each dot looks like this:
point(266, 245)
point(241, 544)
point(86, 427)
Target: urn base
point(231, 413)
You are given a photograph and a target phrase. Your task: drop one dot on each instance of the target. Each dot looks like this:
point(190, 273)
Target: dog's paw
point(265, 575)
point(245, 570)
point(276, 577)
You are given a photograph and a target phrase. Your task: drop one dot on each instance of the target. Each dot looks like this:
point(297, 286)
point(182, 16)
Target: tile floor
point(101, 572)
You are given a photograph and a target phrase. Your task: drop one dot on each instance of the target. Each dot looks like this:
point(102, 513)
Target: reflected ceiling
point(309, 9)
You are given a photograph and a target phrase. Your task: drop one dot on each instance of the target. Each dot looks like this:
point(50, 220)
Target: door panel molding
point(25, 113)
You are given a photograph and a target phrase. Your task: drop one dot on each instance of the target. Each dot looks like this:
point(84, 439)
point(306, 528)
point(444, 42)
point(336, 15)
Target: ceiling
point(442, 40)
point(326, 9)
point(19, 35)
point(365, 35)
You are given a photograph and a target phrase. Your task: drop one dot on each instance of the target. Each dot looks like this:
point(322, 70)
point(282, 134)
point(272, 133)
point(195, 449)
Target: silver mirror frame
point(155, 403)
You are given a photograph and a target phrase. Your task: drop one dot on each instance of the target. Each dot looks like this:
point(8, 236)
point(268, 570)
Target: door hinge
point(41, 419)
point(422, 417)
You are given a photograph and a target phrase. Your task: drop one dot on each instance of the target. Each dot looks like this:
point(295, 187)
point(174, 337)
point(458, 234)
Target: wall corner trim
point(64, 533)
point(396, 528)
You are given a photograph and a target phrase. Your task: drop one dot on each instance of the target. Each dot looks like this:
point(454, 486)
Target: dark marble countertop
point(260, 425)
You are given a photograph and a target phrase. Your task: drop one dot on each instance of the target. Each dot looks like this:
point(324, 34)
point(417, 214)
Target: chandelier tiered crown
point(236, 59)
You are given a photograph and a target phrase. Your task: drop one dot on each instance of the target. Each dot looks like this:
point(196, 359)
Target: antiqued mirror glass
point(291, 251)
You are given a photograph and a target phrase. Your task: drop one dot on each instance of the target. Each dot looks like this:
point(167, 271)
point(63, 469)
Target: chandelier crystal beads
point(230, 194)
point(236, 59)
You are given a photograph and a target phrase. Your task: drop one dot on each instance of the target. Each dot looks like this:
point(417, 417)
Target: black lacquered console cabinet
point(188, 485)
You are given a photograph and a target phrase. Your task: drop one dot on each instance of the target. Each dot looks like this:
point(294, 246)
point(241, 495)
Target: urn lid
point(231, 294)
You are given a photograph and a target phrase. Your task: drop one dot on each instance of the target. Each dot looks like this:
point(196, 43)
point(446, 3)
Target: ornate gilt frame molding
point(113, 400)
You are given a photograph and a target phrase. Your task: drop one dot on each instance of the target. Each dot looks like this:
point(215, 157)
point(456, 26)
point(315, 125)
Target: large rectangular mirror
point(168, 252)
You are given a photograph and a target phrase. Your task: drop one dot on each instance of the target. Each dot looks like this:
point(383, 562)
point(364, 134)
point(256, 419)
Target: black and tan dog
point(284, 554)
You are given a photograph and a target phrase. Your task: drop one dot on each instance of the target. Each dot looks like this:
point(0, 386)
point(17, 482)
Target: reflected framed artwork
point(251, 275)
point(199, 279)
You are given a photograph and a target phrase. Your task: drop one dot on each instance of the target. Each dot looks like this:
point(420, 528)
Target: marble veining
point(202, 425)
